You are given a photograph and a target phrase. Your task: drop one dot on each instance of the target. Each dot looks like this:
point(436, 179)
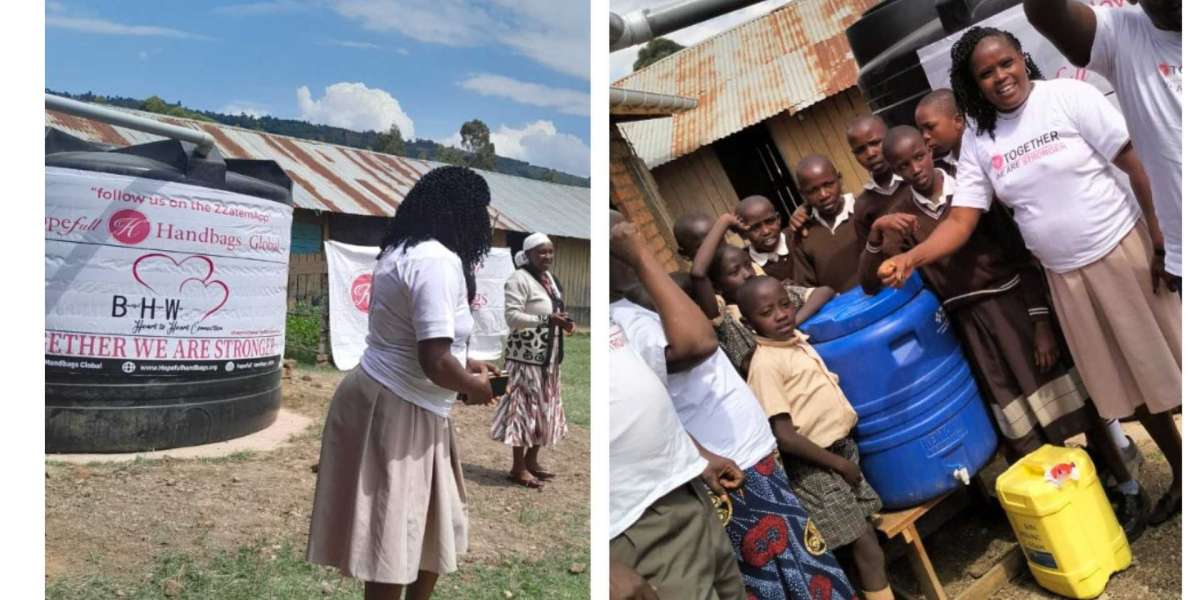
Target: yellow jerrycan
point(1063, 521)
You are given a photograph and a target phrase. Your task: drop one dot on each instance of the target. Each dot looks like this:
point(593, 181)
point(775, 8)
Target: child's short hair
point(750, 289)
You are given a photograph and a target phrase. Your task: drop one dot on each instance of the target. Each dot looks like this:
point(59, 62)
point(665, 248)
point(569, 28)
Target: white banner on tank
point(350, 273)
point(935, 58)
point(153, 278)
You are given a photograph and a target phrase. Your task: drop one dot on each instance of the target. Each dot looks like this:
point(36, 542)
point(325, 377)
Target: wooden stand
point(903, 523)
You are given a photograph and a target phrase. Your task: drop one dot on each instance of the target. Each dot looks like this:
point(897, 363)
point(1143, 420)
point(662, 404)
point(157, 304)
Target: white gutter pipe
point(620, 98)
point(642, 25)
point(204, 142)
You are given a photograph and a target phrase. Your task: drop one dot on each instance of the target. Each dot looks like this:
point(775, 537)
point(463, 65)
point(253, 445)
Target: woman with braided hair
point(1045, 149)
point(390, 502)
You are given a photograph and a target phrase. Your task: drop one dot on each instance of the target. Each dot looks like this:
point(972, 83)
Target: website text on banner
point(350, 272)
point(152, 278)
point(935, 58)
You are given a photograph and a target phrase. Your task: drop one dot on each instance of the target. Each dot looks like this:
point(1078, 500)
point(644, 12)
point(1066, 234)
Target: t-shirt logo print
point(997, 162)
point(1165, 69)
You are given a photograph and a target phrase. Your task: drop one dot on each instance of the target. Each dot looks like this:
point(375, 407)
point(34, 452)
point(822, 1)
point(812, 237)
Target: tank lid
point(854, 310)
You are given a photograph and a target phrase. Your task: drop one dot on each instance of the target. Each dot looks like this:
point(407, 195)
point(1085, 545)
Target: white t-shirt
point(418, 293)
point(649, 453)
point(1051, 162)
point(714, 403)
point(1144, 64)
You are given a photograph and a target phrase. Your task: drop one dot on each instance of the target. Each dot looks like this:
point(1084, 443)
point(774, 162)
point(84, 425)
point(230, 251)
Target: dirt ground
point(118, 519)
point(967, 545)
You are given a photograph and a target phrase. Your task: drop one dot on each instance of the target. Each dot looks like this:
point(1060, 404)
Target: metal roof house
point(348, 195)
point(767, 92)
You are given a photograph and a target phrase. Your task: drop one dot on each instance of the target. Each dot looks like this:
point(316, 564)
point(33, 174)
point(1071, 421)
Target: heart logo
point(207, 293)
point(190, 277)
point(360, 292)
point(997, 162)
point(1165, 69)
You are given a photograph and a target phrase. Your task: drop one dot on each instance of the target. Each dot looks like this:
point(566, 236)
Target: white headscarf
point(533, 241)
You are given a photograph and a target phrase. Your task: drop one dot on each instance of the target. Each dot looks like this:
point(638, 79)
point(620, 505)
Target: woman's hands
point(897, 269)
point(563, 321)
point(480, 391)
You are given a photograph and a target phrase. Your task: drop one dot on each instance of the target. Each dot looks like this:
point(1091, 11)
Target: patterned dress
point(780, 552)
point(531, 413)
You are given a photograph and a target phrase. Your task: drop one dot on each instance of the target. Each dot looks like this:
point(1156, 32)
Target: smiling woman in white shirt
point(390, 506)
point(1046, 149)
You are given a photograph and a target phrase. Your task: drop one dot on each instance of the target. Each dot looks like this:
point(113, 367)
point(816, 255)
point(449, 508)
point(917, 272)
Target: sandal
point(1166, 507)
point(540, 474)
point(533, 484)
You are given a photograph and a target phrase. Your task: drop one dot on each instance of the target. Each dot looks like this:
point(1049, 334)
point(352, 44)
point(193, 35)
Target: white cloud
point(566, 101)
point(554, 33)
point(448, 22)
point(263, 8)
point(55, 7)
point(355, 106)
point(621, 63)
point(238, 107)
point(106, 27)
point(541, 144)
point(353, 44)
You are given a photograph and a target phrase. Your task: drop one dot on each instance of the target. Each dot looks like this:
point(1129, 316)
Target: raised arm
point(690, 336)
point(706, 295)
point(883, 241)
point(1069, 25)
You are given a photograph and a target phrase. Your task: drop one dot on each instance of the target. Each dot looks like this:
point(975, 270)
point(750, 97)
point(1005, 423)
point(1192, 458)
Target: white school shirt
point(762, 258)
point(1051, 162)
point(713, 402)
point(417, 293)
point(649, 452)
point(1144, 64)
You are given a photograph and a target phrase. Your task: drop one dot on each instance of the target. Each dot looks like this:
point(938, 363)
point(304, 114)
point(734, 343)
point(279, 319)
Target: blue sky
point(521, 66)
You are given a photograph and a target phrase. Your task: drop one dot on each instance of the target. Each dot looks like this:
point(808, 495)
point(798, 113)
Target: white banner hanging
point(350, 272)
point(153, 278)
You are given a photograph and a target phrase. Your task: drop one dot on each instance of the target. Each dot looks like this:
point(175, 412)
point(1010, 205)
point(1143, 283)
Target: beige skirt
point(390, 498)
point(1126, 340)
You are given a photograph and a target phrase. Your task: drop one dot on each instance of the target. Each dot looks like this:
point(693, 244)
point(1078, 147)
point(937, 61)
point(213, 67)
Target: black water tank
point(885, 41)
point(166, 295)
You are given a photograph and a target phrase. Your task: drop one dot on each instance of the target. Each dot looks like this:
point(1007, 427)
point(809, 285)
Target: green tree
point(390, 142)
point(450, 156)
point(477, 141)
point(654, 51)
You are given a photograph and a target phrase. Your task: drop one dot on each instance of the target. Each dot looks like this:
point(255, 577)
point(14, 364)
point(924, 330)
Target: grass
point(576, 379)
point(266, 572)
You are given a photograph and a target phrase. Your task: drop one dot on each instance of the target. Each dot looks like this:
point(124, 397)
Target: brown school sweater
point(790, 268)
point(870, 205)
point(993, 261)
point(829, 258)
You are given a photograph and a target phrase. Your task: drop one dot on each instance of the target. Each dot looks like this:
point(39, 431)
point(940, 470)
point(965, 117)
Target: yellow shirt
point(788, 377)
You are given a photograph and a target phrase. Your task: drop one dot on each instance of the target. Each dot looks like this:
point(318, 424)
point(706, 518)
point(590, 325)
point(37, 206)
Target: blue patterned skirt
point(780, 552)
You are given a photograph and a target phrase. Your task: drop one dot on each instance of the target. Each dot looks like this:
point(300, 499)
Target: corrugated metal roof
point(789, 59)
point(334, 178)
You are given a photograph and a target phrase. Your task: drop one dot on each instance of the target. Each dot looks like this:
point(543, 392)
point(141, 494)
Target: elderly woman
point(390, 507)
point(531, 414)
point(1046, 149)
